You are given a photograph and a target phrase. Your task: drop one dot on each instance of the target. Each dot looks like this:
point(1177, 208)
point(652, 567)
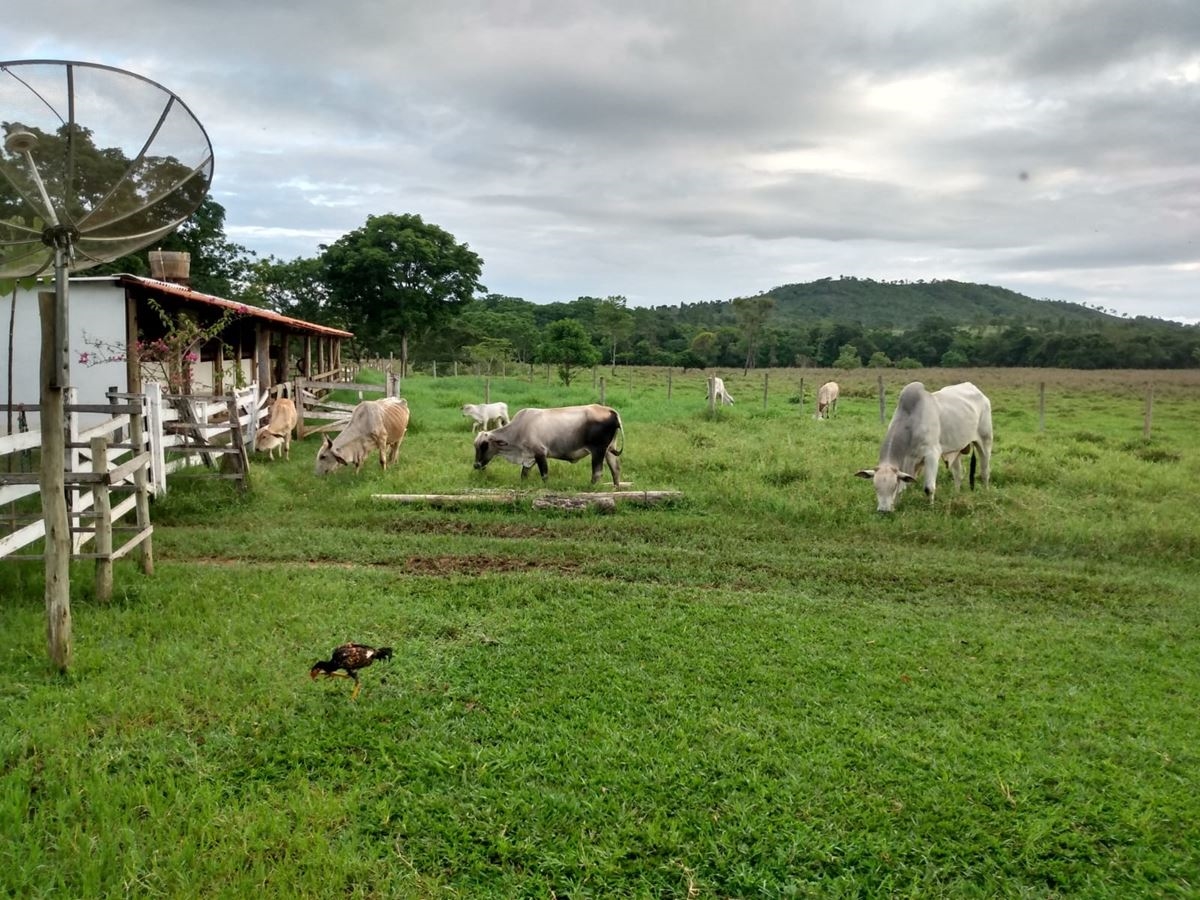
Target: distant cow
point(927, 428)
point(374, 424)
point(278, 430)
point(717, 392)
point(827, 398)
point(566, 432)
point(484, 414)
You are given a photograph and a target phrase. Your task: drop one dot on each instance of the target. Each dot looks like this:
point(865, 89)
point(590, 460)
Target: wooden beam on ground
point(605, 500)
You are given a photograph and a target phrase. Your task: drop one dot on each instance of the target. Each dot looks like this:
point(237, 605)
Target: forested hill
point(905, 304)
point(896, 304)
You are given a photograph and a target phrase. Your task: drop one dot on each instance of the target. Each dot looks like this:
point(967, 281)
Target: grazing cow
point(484, 414)
point(929, 427)
point(373, 424)
point(278, 430)
point(827, 398)
point(566, 432)
point(716, 391)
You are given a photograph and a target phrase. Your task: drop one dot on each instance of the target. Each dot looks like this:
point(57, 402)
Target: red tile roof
point(178, 290)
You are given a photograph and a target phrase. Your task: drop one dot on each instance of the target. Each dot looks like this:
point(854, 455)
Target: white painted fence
point(171, 433)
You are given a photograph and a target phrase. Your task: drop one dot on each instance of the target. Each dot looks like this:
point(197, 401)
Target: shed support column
point(263, 354)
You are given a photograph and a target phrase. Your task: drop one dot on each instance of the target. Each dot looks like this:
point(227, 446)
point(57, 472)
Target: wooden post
point(801, 395)
point(218, 379)
point(882, 402)
point(435, 368)
point(73, 463)
point(1041, 406)
point(593, 378)
point(601, 390)
point(712, 396)
point(263, 354)
point(133, 368)
point(102, 538)
point(456, 368)
point(57, 556)
point(154, 424)
point(241, 463)
point(487, 391)
point(1148, 416)
point(531, 373)
point(141, 484)
point(668, 385)
point(631, 382)
point(766, 378)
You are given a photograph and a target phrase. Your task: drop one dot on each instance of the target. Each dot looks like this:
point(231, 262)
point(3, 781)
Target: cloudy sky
point(683, 151)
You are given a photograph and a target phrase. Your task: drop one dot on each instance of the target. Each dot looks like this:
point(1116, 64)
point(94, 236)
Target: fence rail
point(143, 438)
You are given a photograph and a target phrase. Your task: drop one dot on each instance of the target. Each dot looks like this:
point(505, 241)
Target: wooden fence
point(312, 398)
point(142, 439)
point(101, 463)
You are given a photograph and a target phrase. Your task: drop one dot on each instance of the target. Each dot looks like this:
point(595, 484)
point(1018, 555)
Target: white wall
point(96, 322)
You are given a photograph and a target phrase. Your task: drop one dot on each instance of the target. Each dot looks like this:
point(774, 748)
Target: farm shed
point(108, 312)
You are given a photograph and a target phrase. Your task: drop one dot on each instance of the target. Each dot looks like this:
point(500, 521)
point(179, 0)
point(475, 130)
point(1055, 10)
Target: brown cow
point(278, 430)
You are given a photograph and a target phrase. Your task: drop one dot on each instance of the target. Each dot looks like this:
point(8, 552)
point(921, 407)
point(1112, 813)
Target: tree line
point(409, 289)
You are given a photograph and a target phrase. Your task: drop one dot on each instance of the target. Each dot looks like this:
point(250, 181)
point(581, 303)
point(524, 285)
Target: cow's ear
point(340, 458)
point(865, 473)
point(904, 476)
point(325, 441)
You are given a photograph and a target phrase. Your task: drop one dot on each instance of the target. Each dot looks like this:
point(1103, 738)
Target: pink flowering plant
point(171, 358)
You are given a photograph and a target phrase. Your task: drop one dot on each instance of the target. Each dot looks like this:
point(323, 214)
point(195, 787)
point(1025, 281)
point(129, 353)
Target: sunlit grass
point(764, 689)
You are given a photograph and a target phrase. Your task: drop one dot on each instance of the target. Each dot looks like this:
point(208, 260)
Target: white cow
point(484, 414)
point(278, 430)
point(565, 432)
point(927, 428)
point(716, 390)
point(827, 398)
point(373, 424)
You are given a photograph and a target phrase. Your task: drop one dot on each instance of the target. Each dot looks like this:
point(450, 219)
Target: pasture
point(765, 689)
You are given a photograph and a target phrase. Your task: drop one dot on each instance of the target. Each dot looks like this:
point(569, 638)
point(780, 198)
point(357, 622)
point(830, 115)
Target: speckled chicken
point(349, 658)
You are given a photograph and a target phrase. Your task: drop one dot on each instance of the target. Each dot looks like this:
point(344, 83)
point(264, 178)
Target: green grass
point(763, 689)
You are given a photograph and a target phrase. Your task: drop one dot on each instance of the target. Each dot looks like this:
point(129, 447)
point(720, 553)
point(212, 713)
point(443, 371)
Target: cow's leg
point(598, 457)
point(931, 469)
point(525, 471)
point(287, 446)
point(984, 451)
point(954, 464)
point(614, 467)
point(543, 469)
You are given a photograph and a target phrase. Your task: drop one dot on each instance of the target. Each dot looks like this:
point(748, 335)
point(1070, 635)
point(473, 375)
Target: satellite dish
point(96, 163)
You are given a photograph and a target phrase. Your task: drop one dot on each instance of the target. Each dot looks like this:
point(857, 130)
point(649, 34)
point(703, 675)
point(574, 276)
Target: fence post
point(102, 538)
point(241, 463)
point(668, 385)
point(74, 463)
point(1149, 413)
point(712, 397)
point(593, 378)
point(1041, 406)
point(435, 368)
point(766, 377)
point(882, 402)
point(601, 390)
point(801, 395)
point(487, 391)
point(154, 424)
point(141, 484)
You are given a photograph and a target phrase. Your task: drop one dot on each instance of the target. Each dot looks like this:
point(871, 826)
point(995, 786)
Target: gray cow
point(927, 428)
point(566, 432)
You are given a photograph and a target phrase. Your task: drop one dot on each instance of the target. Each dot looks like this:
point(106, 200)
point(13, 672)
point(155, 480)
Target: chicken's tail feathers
point(382, 653)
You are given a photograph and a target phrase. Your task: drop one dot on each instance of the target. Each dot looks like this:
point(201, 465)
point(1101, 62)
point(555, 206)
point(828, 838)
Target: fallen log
point(606, 500)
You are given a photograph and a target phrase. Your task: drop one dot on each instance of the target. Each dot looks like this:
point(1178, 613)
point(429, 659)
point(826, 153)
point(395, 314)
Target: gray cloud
point(674, 151)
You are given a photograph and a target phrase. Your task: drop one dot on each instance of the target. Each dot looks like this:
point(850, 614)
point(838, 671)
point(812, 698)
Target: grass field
point(762, 690)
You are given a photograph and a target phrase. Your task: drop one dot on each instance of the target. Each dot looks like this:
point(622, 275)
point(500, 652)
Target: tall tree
point(752, 313)
point(614, 323)
point(566, 343)
point(396, 276)
point(294, 288)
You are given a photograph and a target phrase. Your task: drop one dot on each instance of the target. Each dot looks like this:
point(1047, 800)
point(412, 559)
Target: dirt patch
point(452, 526)
point(481, 565)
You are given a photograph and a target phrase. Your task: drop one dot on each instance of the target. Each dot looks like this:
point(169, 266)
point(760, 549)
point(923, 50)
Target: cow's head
point(487, 447)
point(328, 459)
point(889, 482)
point(266, 439)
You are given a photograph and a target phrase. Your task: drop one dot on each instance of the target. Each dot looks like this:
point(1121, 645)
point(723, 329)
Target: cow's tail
point(973, 456)
point(620, 430)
